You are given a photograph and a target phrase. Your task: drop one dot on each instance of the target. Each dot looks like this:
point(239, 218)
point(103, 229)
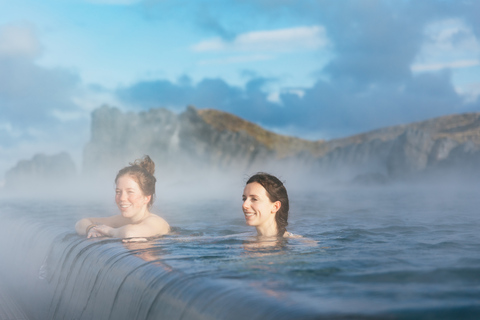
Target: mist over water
point(402, 251)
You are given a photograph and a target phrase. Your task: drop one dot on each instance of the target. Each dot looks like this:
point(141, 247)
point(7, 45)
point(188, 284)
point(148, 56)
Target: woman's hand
point(100, 231)
point(133, 240)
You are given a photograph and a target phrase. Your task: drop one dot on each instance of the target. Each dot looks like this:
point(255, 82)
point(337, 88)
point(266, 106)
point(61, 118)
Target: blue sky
point(314, 69)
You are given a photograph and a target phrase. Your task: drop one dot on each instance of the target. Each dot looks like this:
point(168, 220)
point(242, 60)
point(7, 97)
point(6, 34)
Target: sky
point(319, 69)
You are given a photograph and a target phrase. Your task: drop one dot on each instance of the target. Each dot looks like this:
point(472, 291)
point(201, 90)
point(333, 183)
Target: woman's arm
point(83, 226)
point(150, 227)
point(128, 231)
point(116, 228)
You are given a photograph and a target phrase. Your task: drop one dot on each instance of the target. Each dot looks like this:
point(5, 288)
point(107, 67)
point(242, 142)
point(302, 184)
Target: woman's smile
point(129, 198)
point(259, 211)
point(249, 216)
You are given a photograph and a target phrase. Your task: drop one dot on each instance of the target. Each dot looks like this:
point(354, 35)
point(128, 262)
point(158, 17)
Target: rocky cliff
point(449, 144)
point(197, 140)
point(193, 144)
point(191, 141)
point(41, 173)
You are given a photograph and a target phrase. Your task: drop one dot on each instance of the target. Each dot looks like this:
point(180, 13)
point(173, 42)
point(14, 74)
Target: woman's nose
point(245, 204)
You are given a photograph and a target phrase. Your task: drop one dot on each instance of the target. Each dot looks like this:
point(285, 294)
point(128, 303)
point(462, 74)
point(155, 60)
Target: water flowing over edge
point(54, 274)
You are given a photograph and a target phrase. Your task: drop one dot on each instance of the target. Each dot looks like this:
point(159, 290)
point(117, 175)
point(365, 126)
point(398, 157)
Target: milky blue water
point(399, 253)
point(363, 251)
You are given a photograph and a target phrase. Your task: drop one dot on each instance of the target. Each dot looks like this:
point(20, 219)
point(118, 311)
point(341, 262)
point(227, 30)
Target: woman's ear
point(147, 198)
point(276, 206)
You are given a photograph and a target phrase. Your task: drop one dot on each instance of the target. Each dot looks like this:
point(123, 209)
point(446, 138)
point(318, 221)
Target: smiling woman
point(134, 194)
point(265, 205)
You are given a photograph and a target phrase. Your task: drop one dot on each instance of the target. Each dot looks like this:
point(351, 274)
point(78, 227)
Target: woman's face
point(129, 197)
point(259, 211)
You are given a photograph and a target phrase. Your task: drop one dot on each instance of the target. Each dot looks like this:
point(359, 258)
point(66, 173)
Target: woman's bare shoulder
point(158, 222)
point(302, 239)
point(155, 218)
point(291, 235)
point(115, 221)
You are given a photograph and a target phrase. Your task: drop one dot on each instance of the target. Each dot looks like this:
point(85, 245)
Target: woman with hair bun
point(265, 205)
point(134, 195)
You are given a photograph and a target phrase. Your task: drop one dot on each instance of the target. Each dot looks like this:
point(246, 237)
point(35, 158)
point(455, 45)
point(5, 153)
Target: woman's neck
point(267, 230)
point(140, 216)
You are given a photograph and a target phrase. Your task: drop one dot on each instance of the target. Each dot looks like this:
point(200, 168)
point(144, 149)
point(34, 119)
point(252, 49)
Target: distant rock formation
point(41, 172)
point(191, 141)
point(433, 147)
point(197, 140)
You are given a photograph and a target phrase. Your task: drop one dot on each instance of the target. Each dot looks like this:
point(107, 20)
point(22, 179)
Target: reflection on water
point(261, 246)
point(147, 251)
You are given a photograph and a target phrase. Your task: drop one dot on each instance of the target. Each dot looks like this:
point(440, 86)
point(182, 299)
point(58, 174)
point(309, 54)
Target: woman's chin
point(126, 214)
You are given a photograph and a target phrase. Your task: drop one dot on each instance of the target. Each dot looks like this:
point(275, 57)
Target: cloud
point(115, 2)
point(208, 93)
point(328, 109)
point(34, 102)
point(225, 19)
point(446, 65)
point(372, 80)
point(449, 43)
point(237, 59)
point(19, 40)
point(367, 84)
point(208, 18)
point(470, 92)
point(373, 42)
point(29, 93)
point(38, 112)
point(281, 40)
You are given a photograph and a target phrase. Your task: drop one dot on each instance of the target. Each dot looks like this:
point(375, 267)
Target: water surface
point(366, 252)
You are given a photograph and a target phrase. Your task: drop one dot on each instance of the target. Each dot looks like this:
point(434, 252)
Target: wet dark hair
point(142, 170)
point(276, 191)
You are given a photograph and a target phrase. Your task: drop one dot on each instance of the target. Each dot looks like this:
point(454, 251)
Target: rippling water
point(398, 253)
point(362, 251)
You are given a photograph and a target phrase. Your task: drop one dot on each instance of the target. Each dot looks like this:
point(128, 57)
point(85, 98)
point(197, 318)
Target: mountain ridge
point(196, 142)
point(284, 145)
point(459, 127)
